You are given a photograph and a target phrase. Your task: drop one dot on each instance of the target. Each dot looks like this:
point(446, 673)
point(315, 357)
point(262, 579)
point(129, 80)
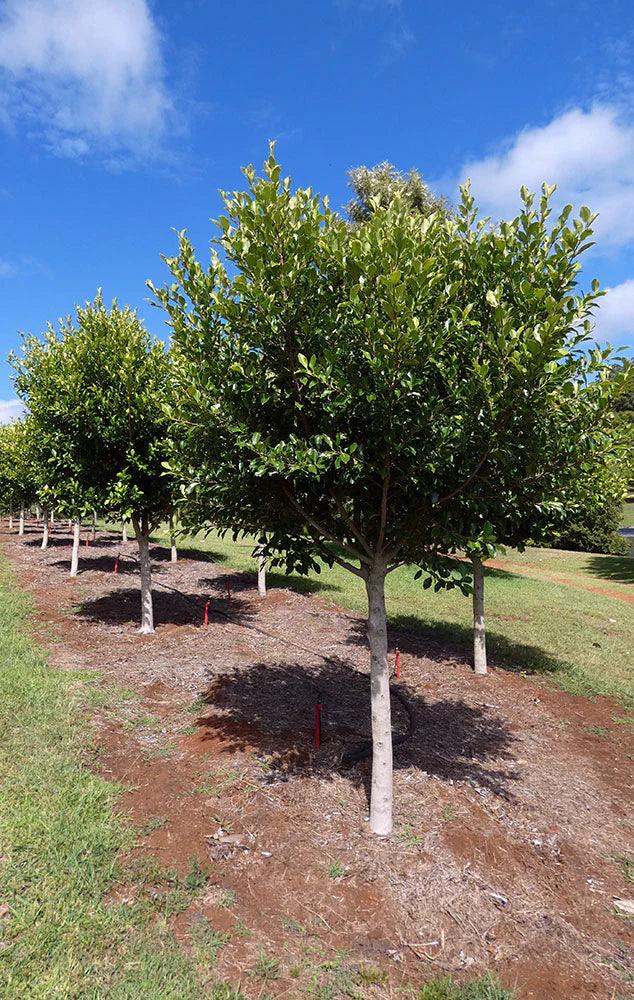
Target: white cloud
point(7, 269)
point(589, 154)
point(615, 316)
point(87, 75)
point(10, 409)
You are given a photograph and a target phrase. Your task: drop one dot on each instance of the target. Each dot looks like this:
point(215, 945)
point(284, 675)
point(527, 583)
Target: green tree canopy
point(95, 391)
point(341, 387)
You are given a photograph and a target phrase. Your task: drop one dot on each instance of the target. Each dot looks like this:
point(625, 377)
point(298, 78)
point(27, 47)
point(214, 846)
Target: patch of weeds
point(168, 750)
point(206, 941)
point(196, 707)
point(227, 899)
point(447, 814)
point(266, 968)
point(293, 926)
point(625, 864)
point(241, 930)
point(486, 987)
point(196, 877)
point(409, 837)
point(599, 731)
point(623, 720)
point(225, 991)
point(336, 870)
point(189, 731)
point(371, 975)
point(151, 722)
point(153, 823)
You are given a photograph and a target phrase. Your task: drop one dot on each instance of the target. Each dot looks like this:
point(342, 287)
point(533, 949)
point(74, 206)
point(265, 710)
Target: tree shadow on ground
point(100, 564)
point(245, 581)
point(269, 707)
point(441, 641)
point(620, 569)
point(162, 553)
point(53, 541)
point(123, 606)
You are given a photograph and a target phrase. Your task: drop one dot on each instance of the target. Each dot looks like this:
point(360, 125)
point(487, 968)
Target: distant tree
point(17, 484)
point(95, 392)
point(341, 386)
point(379, 186)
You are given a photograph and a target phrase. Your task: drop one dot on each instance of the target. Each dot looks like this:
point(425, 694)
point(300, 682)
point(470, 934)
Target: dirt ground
point(512, 799)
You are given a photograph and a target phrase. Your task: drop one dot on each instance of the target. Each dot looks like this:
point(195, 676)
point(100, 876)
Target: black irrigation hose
point(355, 754)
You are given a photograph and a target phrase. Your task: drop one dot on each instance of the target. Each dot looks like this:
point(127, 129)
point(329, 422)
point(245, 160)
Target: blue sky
point(121, 119)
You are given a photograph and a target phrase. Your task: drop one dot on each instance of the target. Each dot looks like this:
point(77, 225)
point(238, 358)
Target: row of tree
point(396, 388)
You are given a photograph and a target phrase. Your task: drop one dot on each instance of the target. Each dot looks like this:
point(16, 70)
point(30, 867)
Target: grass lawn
point(628, 513)
point(583, 640)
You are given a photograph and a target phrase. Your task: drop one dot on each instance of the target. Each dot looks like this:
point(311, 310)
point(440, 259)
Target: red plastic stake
point(398, 664)
point(206, 615)
point(116, 565)
point(318, 724)
point(87, 539)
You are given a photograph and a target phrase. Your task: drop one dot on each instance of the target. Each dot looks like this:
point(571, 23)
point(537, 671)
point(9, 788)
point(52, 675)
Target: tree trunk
point(124, 532)
point(94, 525)
point(51, 518)
point(21, 528)
point(174, 553)
point(479, 631)
point(261, 575)
point(142, 532)
point(74, 561)
point(45, 531)
point(38, 513)
point(381, 794)
point(10, 518)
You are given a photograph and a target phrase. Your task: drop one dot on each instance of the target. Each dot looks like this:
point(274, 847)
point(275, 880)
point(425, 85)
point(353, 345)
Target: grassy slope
point(59, 841)
point(583, 640)
point(628, 514)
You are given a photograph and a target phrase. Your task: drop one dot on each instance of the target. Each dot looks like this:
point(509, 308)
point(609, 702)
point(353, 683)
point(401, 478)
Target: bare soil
point(512, 798)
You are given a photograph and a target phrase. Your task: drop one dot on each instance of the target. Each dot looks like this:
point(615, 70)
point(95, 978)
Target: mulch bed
point(511, 797)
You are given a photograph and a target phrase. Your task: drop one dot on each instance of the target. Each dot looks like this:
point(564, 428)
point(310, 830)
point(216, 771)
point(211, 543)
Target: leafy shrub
point(487, 987)
point(595, 529)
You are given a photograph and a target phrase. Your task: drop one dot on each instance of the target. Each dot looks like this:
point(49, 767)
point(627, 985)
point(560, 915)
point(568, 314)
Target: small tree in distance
point(377, 187)
point(96, 393)
point(341, 386)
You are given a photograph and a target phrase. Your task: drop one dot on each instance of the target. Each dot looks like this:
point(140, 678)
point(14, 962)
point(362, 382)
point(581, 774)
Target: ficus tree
point(96, 389)
point(341, 386)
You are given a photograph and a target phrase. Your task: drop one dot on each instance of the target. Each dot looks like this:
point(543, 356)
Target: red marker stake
point(116, 565)
point(318, 725)
point(206, 615)
point(87, 540)
point(398, 664)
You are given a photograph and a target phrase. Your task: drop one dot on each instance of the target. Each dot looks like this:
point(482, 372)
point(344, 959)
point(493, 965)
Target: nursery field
point(169, 828)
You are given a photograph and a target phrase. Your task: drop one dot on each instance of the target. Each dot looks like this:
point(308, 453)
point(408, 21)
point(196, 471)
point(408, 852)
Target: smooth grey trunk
point(94, 525)
point(45, 531)
point(70, 524)
point(479, 630)
point(381, 793)
point(51, 518)
point(74, 559)
point(21, 528)
point(261, 575)
point(10, 518)
point(124, 532)
point(142, 532)
point(38, 513)
point(174, 553)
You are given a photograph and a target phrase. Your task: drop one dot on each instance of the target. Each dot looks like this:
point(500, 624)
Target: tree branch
point(320, 528)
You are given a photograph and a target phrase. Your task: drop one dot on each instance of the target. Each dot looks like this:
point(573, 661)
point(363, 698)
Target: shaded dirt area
point(513, 799)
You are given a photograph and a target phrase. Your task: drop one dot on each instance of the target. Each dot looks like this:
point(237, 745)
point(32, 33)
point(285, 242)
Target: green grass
point(487, 987)
point(628, 513)
point(582, 640)
point(59, 841)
